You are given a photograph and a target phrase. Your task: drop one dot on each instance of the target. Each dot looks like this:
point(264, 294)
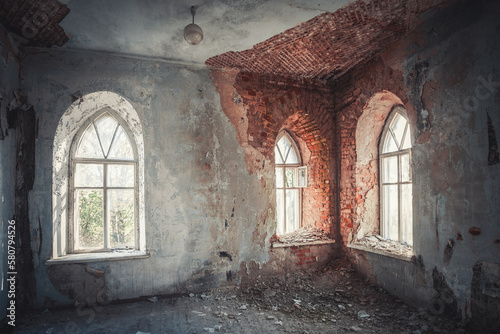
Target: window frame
point(297, 167)
point(72, 211)
point(398, 110)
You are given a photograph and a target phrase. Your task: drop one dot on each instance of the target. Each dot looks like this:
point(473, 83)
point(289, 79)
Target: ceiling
point(154, 28)
point(319, 39)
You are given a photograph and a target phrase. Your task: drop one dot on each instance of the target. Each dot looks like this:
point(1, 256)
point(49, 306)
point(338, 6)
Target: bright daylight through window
point(395, 175)
point(104, 182)
point(290, 178)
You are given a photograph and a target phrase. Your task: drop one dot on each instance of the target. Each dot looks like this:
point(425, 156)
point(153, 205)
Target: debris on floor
point(335, 299)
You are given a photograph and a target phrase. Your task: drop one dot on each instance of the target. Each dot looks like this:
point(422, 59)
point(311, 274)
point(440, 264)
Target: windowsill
point(380, 252)
point(96, 257)
point(297, 244)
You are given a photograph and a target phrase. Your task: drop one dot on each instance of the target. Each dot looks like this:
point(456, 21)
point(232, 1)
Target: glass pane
point(284, 147)
point(279, 177)
point(302, 177)
point(405, 168)
point(407, 139)
point(89, 219)
point(121, 175)
point(389, 143)
point(89, 146)
point(280, 212)
point(291, 177)
point(88, 175)
point(277, 156)
point(121, 218)
point(390, 169)
point(292, 157)
point(406, 214)
point(121, 147)
point(106, 126)
point(390, 212)
point(398, 127)
point(292, 210)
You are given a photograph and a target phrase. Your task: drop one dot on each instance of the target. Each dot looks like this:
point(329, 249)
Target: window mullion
point(400, 179)
point(105, 206)
point(284, 200)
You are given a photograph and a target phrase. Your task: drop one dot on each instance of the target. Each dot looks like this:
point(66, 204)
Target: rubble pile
point(303, 235)
point(385, 245)
point(339, 295)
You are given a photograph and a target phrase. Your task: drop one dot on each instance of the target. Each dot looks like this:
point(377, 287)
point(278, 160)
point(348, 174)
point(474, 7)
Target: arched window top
point(105, 138)
point(397, 135)
point(286, 151)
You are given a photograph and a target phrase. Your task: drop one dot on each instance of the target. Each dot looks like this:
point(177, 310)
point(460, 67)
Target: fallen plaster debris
point(393, 247)
point(304, 235)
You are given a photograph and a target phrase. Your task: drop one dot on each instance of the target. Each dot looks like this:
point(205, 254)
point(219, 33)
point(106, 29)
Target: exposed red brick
point(37, 21)
point(329, 45)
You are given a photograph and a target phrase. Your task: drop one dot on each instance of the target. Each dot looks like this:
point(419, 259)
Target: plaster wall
point(450, 87)
point(201, 203)
point(9, 81)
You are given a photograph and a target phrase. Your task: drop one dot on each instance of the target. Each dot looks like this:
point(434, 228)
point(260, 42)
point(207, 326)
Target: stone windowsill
point(297, 244)
point(380, 252)
point(97, 257)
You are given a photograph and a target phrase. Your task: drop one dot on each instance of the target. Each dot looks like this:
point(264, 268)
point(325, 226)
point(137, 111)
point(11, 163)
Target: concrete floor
point(335, 300)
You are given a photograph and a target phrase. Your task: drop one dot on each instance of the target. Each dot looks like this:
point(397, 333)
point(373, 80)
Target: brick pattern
point(36, 20)
point(303, 256)
point(329, 45)
point(304, 110)
point(351, 97)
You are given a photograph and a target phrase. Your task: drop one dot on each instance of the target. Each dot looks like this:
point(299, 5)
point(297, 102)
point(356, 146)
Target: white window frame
point(72, 231)
point(70, 123)
point(301, 177)
point(398, 110)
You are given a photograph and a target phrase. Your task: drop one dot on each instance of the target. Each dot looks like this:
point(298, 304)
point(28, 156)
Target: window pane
point(279, 177)
point(121, 175)
point(390, 212)
point(89, 146)
point(106, 126)
point(277, 156)
point(292, 157)
point(284, 147)
point(398, 128)
point(121, 218)
point(405, 168)
point(292, 210)
point(88, 175)
point(389, 143)
point(407, 139)
point(287, 151)
point(280, 212)
point(390, 169)
point(406, 214)
point(291, 177)
point(89, 219)
point(121, 147)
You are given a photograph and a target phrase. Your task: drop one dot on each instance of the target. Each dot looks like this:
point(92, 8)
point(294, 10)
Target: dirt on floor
point(333, 300)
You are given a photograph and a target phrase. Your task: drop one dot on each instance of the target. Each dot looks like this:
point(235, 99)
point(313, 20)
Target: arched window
point(290, 177)
point(104, 186)
point(395, 179)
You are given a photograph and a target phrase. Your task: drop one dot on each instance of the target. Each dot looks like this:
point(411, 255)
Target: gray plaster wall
point(200, 200)
point(453, 80)
point(9, 81)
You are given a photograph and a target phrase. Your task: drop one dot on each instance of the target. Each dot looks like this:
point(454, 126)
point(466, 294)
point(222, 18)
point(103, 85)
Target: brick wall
point(267, 105)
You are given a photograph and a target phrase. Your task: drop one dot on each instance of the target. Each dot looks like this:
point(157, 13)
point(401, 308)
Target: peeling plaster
point(69, 124)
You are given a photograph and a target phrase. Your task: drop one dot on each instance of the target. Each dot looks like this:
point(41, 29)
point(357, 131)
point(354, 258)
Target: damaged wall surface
point(200, 200)
point(206, 165)
point(9, 72)
point(446, 76)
